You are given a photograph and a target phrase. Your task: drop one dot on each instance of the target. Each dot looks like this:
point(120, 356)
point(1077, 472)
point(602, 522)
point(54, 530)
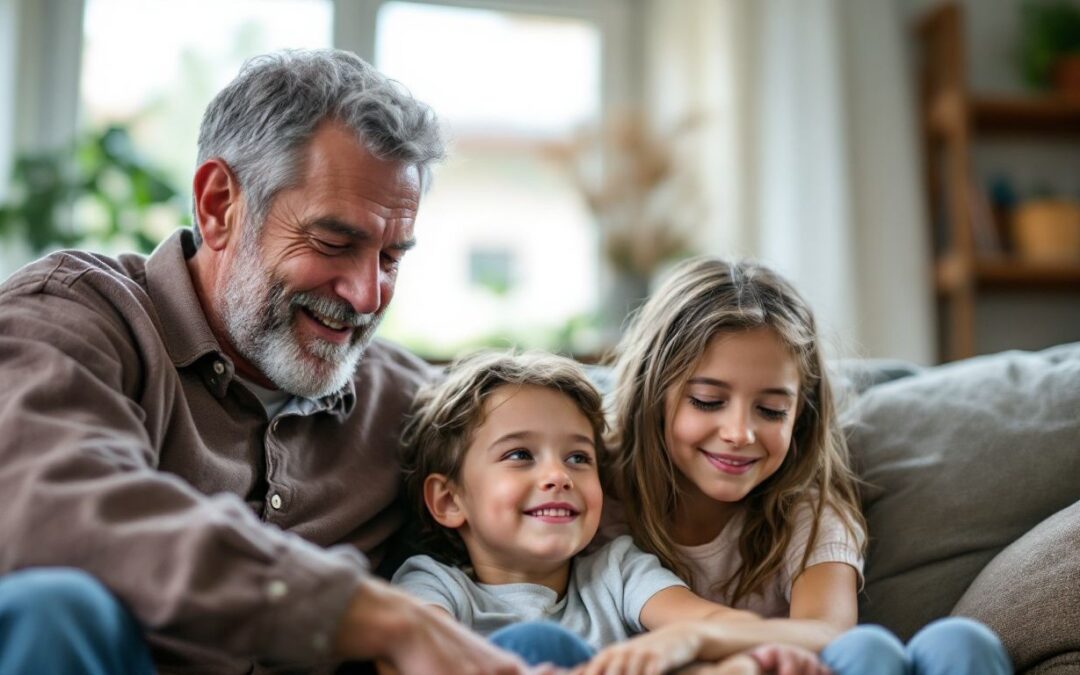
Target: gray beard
point(260, 320)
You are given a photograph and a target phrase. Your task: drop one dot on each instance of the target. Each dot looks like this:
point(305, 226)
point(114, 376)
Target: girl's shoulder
point(833, 525)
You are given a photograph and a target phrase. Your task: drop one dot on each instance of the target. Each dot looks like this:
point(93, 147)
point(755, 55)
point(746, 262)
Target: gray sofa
point(972, 474)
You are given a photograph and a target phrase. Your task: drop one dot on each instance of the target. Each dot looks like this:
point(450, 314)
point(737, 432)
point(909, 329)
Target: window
point(154, 65)
point(508, 251)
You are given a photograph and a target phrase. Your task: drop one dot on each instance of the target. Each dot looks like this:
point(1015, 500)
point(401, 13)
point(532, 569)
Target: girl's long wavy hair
point(703, 298)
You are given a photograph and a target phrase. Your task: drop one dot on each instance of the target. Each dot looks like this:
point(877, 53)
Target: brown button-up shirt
point(129, 449)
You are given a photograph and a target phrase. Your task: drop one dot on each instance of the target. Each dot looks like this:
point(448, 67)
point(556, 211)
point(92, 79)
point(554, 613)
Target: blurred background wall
point(595, 143)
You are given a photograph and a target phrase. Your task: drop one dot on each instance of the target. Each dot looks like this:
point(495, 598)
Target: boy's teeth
point(552, 512)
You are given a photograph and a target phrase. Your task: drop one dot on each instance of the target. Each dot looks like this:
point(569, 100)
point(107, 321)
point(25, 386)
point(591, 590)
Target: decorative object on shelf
point(101, 177)
point(1050, 45)
point(1048, 231)
point(645, 195)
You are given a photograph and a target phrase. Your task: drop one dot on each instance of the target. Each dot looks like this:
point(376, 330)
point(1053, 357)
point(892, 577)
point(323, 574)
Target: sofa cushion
point(1035, 579)
point(960, 460)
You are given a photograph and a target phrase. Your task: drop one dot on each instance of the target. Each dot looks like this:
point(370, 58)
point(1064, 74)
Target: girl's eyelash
point(768, 413)
point(513, 455)
point(705, 405)
point(773, 414)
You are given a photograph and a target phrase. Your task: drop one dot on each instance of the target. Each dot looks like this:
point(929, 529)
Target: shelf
point(1009, 273)
point(1028, 116)
point(1000, 115)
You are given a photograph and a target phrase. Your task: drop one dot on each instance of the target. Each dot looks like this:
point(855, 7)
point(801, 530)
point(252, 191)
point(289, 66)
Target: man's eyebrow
point(345, 229)
point(337, 226)
point(779, 391)
point(404, 245)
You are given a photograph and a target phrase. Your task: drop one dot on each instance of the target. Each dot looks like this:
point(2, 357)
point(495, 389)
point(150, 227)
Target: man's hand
point(387, 624)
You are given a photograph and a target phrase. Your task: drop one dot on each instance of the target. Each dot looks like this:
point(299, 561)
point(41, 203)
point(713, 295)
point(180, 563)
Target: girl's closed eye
point(775, 414)
point(706, 403)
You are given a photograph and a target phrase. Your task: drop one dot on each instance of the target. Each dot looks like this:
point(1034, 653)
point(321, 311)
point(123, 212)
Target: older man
point(198, 446)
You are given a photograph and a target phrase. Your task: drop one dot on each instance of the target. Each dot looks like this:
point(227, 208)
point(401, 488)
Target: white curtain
point(811, 160)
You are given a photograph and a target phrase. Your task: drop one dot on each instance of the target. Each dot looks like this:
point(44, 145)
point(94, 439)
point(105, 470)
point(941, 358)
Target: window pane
point(507, 248)
point(154, 65)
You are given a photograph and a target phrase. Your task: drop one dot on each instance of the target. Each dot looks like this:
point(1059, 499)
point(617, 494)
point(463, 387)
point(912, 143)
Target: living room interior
point(911, 165)
point(596, 143)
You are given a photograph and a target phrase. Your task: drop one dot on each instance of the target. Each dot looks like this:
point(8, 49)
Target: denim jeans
point(58, 620)
point(539, 642)
point(952, 646)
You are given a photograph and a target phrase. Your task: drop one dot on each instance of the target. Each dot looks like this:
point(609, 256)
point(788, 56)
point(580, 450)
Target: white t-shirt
point(603, 601)
point(714, 562)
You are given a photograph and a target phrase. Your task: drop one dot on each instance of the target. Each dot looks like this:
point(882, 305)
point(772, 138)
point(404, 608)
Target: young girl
point(501, 461)
point(730, 469)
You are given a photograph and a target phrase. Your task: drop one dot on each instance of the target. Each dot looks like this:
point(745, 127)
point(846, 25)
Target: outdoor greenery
point(97, 190)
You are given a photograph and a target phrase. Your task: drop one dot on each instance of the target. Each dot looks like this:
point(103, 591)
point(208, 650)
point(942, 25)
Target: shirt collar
point(187, 333)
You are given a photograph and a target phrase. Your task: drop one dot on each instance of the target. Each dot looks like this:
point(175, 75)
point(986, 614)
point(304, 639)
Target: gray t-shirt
point(602, 604)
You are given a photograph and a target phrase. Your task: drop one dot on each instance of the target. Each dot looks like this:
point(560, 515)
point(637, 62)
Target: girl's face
point(729, 427)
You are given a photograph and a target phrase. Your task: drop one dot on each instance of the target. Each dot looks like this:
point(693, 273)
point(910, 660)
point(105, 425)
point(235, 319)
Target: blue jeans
point(539, 642)
point(57, 620)
point(952, 646)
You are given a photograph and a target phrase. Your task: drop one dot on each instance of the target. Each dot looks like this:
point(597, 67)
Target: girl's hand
point(740, 664)
point(788, 660)
point(652, 653)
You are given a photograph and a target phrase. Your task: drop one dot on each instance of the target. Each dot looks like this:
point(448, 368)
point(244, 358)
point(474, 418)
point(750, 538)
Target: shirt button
point(275, 500)
point(219, 367)
point(276, 589)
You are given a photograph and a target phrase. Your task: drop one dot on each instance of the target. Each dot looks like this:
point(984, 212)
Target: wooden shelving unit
point(952, 120)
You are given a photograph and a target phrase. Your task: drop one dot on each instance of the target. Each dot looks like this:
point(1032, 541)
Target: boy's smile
point(529, 494)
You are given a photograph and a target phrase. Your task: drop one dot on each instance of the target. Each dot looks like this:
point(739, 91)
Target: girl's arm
point(685, 628)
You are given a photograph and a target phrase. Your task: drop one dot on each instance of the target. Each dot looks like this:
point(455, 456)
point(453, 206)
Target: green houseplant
point(100, 174)
point(1050, 41)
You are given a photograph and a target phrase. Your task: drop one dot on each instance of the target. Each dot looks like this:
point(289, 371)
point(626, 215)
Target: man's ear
point(218, 203)
point(442, 502)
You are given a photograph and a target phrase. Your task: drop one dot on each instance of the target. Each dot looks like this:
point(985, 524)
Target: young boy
point(502, 458)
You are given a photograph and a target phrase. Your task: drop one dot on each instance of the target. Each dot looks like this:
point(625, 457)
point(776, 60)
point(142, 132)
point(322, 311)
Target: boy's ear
point(441, 501)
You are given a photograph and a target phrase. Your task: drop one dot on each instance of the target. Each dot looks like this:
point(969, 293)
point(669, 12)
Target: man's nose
point(361, 285)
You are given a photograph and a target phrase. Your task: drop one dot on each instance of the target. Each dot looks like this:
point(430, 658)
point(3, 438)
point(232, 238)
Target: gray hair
point(262, 121)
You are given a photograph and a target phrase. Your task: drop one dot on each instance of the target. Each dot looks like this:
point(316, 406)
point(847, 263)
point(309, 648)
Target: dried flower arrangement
point(641, 189)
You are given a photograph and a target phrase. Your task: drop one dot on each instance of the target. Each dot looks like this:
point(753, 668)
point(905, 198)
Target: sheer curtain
point(810, 160)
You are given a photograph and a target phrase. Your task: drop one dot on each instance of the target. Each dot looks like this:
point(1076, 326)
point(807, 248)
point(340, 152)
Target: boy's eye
point(580, 458)
point(519, 455)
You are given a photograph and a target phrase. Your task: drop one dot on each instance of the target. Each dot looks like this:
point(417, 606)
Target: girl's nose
point(737, 430)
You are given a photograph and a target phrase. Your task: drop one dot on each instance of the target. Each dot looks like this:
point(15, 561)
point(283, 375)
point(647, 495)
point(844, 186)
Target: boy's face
point(529, 490)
